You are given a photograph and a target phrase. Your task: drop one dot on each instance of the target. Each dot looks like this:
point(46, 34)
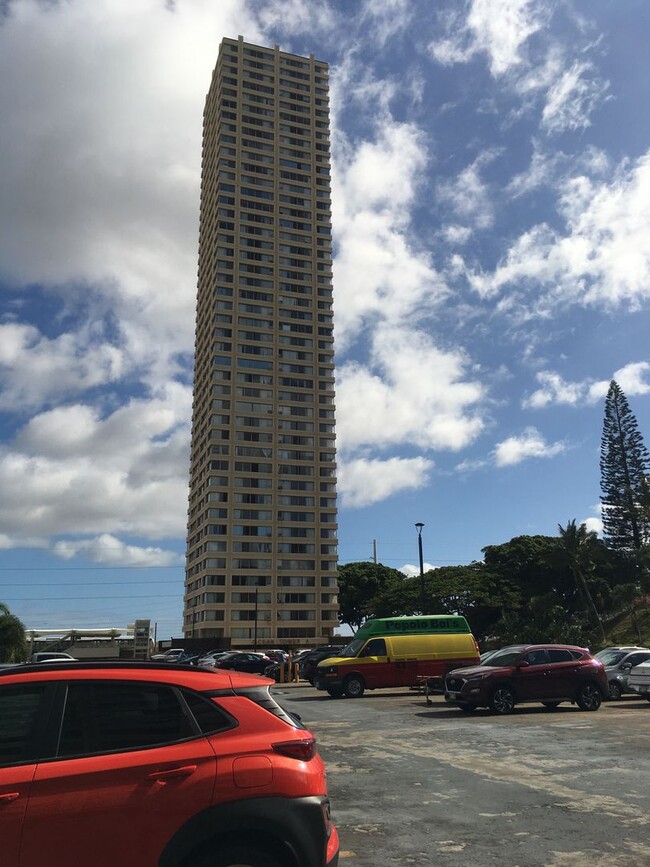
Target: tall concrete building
point(261, 552)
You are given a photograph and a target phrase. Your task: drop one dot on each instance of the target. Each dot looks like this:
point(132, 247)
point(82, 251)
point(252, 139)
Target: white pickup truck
point(639, 679)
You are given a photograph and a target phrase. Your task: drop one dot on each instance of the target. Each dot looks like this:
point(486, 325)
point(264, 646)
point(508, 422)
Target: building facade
point(262, 522)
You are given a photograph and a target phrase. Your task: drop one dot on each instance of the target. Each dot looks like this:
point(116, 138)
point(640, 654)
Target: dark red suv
point(152, 765)
point(546, 673)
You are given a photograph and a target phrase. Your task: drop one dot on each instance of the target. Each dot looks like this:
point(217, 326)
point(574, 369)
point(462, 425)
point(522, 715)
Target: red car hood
point(472, 669)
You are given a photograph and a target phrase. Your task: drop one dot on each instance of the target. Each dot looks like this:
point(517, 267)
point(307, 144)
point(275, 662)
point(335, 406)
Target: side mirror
point(627, 666)
point(523, 664)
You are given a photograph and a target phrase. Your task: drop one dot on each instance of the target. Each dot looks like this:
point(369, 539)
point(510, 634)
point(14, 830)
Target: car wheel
point(335, 691)
point(615, 691)
point(551, 704)
point(647, 698)
point(240, 856)
point(467, 708)
point(589, 697)
point(502, 700)
point(354, 686)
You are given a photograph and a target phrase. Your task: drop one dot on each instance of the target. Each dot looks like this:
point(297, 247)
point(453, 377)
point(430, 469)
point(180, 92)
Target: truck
point(399, 651)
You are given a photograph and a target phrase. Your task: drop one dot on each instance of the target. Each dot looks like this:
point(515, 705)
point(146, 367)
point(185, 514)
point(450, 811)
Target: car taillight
point(303, 750)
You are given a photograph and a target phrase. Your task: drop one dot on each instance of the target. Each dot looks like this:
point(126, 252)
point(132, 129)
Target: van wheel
point(354, 686)
point(502, 700)
point(335, 691)
point(615, 691)
point(589, 697)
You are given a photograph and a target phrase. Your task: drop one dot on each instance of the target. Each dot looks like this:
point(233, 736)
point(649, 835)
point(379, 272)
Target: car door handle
point(172, 774)
point(10, 796)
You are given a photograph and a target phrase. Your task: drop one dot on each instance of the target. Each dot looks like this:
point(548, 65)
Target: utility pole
point(419, 527)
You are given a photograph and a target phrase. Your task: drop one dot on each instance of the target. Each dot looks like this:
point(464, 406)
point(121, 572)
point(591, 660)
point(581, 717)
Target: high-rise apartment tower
point(261, 553)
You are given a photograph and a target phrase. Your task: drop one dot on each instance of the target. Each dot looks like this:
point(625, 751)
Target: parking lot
point(422, 784)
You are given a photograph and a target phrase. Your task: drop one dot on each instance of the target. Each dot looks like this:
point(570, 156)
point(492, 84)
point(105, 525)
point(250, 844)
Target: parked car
point(548, 673)
point(149, 763)
point(168, 656)
point(309, 662)
point(277, 655)
point(298, 655)
point(209, 659)
point(618, 662)
point(639, 680)
point(253, 663)
point(187, 657)
point(51, 656)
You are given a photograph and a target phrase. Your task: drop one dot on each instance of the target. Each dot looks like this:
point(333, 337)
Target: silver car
point(618, 662)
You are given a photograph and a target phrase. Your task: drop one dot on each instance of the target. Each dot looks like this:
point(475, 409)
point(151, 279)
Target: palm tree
point(13, 646)
point(576, 545)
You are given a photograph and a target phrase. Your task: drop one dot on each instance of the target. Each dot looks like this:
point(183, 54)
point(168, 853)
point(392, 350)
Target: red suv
point(546, 673)
point(152, 765)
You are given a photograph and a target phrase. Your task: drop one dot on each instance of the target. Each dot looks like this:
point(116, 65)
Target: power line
point(80, 598)
point(84, 583)
point(83, 568)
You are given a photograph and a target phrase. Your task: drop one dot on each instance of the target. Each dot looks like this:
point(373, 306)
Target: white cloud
point(377, 271)
point(572, 98)
point(71, 471)
point(103, 186)
point(411, 392)
point(411, 571)
point(633, 379)
point(554, 390)
point(530, 444)
point(594, 525)
point(497, 28)
point(603, 259)
point(457, 234)
point(363, 481)
point(111, 551)
point(36, 369)
point(468, 195)
point(541, 172)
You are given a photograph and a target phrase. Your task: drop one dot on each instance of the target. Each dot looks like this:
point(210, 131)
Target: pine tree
point(624, 476)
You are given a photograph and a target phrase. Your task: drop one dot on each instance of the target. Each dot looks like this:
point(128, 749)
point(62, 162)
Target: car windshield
point(501, 659)
point(611, 657)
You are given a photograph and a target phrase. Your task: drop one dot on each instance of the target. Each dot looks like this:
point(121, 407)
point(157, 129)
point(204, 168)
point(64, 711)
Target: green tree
point(576, 550)
point(13, 644)
point(359, 584)
point(624, 472)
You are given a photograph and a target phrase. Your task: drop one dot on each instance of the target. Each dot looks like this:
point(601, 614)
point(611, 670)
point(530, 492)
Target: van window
point(375, 647)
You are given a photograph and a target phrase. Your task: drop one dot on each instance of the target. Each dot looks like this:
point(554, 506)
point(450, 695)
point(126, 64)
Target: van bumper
point(324, 683)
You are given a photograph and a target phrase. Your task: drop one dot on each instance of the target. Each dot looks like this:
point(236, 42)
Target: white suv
point(51, 656)
point(639, 680)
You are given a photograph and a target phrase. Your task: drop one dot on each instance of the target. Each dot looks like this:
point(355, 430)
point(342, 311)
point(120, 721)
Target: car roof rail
point(103, 664)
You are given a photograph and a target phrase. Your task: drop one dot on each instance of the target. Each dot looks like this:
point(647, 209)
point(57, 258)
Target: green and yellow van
point(398, 651)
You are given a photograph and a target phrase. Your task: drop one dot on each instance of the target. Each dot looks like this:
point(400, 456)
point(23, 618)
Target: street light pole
point(255, 627)
point(418, 527)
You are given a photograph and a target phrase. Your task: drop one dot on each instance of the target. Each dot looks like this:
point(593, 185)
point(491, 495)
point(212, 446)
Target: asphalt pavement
point(422, 784)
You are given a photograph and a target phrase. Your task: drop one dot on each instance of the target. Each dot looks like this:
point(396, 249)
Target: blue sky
point(491, 181)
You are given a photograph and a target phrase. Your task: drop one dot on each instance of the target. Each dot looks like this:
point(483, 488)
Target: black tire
point(647, 698)
point(354, 687)
point(551, 704)
point(615, 691)
point(335, 691)
point(589, 697)
point(502, 700)
point(240, 855)
point(467, 708)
